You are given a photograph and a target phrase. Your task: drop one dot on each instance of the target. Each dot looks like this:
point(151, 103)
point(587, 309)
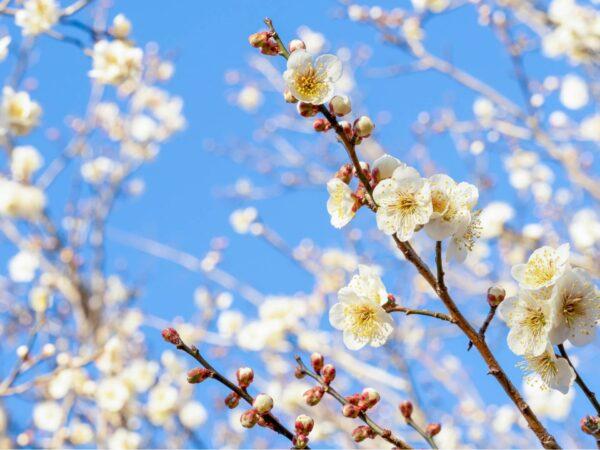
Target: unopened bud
point(263, 403)
point(353, 399)
point(591, 425)
point(317, 361)
point(299, 373)
point(364, 126)
point(257, 40)
point(172, 336)
point(340, 105)
point(249, 418)
point(314, 395)
point(296, 44)
point(300, 441)
point(347, 128)
point(232, 400)
point(121, 27)
point(328, 373)
point(350, 410)
point(361, 433)
point(433, 429)
point(406, 409)
point(307, 109)
point(345, 173)
point(289, 97)
point(304, 424)
point(321, 125)
point(366, 169)
point(495, 295)
point(245, 376)
point(198, 375)
point(370, 396)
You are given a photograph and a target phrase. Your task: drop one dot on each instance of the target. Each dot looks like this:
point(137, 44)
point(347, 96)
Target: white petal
point(336, 316)
point(385, 165)
point(299, 59)
point(353, 342)
point(564, 377)
point(517, 271)
point(331, 64)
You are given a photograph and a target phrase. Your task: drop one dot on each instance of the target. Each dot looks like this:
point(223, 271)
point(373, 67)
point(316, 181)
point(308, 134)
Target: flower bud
point(370, 396)
point(245, 376)
point(363, 126)
point(347, 127)
point(340, 105)
point(232, 400)
point(406, 409)
point(350, 410)
point(307, 109)
point(314, 395)
point(121, 27)
point(321, 125)
point(495, 295)
point(299, 373)
point(433, 429)
point(198, 375)
point(289, 97)
point(361, 433)
point(304, 424)
point(172, 336)
point(317, 361)
point(345, 173)
point(296, 44)
point(270, 48)
point(300, 441)
point(263, 403)
point(353, 399)
point(249, 418)
point(262, 422)
point(257, 40)
point(328, 373)
point(591, 425)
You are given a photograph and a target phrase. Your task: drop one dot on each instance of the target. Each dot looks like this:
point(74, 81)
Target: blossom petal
point(330, 64)
point(298, 59)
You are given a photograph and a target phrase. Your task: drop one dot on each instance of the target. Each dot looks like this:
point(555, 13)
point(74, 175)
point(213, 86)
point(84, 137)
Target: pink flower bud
point(307, 109)
point(350, 410)
point(249, 418)
point(296, 44)
point(353, 399)
point(245, 376)
point(495, 295)
point(232, 400)
point(370, 396)
point(363, 126)
point(257, 40)
point(299, 373)
point(304, 424)
point(591, 425)
point(270, 48)
point(289, 97)
point(328, 373)
point(198, 375)
point(340, 105)
point(433, 429)
point(317, 361)
point(263, 403)
point(321, 125)
point(345, 173)
point(406, 408)
point(300, 441)
point(363, 432)
point(314, 395)
point(172, 336)
point(347, 128)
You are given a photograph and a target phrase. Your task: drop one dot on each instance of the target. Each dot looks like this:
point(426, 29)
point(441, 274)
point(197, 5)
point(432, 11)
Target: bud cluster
point(363, 432)
point(303, 426)
point(360, 403)
point(261, 405)
point(591, 425)
point(265, 41)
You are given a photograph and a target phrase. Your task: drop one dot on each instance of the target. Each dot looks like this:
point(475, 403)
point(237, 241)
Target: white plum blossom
point(192, 415)
point(18, 113)
point(112, 394)
point(529, 316)
point(577, 308)
point(384, 166)
point(24, 162)
point(21, 201)
point(543, 268)
point(463, 240)
point(341, 202)
point(123, 439)
point(241, 220)
point(367, 283)
point(404, 202)
point(116, 62)
point(547, 402)
point(312, 81)
point(48, 416)
point(549, 370)
point(4, 45)
point(574, 92)
point(23, 266)
point(37, 16)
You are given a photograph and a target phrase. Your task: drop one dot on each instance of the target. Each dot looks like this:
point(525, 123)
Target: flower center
point(405, 204)
point(363, 319)
point(540, 270)
point(439, 202)
point(572, 308)
point(310, 82)
point(544, 365)
point(534, 320)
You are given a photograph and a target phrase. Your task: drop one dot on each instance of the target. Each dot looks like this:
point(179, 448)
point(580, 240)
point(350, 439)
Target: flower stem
point(586, 390)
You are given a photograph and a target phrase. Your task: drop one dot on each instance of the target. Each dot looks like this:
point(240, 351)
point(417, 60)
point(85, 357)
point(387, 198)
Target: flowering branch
point(350, 408)
point(495, 296)
point(586, 390)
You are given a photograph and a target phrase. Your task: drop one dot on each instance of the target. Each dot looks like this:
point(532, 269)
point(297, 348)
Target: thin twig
point(411, 423)
point(586, 390)
point(420, 312)
point(486, 324)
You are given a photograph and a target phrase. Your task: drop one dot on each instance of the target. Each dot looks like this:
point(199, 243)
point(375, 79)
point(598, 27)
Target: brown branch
point(486, 324)
point(586, 390)
point(380, 431)
point(420, 312)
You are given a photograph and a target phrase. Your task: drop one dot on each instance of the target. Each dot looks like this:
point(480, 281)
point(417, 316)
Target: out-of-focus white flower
point(18, 114)
point(584, 229)
point(21, 201)
point(23, 266)
point(112, 357)
point(116, 291)
point(464, 239)
point(404, 202)
point(48, 416)
point(39, 298)
point(61, 384)
point(484, 110)
point(4, 44)
point(37, 16)
point(359, 313)
point(121, 26)
point(530, 318)
point(341, 203)
point(552, 372)
point(192, 415)
point(24, 162)
point(573, 92)
point(142, 128)
point(435, 6)
point(123, 439)
point(249, 98)
point(412, 30)
point(229, 323)
point(493, 217)
point(548, 402)
point(313, 40)
point(112, 394)
point(101, 169)
point(140, 374)
point(80, 433)
point(162, 400)
point(577, 308)
point(312, 82)
point(242, 219)
point(115, 62)
point(543, 268)
point(589, 129)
